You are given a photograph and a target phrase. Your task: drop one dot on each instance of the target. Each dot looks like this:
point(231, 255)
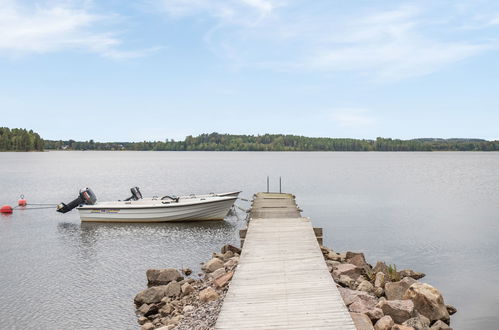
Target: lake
point(436, 213)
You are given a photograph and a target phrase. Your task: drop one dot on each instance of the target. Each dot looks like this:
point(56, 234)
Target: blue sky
point(134, 70)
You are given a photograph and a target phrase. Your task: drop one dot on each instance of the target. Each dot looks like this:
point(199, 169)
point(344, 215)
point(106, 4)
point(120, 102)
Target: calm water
point(434, 212)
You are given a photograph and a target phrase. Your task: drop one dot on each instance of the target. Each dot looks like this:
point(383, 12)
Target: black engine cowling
point(136, 195)
point(86, 196)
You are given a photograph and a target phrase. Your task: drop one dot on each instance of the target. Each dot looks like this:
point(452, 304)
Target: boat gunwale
point(129, 206)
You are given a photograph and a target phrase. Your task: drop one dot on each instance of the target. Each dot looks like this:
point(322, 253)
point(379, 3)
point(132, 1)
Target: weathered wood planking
point(282, 281)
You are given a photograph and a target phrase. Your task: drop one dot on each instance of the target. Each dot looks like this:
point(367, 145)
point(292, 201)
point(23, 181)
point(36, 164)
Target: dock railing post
point(267, 183)
point(280, 189)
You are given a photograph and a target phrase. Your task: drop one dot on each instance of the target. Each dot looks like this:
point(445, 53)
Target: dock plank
point(282, 281)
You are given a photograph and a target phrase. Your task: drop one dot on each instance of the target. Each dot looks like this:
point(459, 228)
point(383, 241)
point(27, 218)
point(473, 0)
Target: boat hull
point(204, 211)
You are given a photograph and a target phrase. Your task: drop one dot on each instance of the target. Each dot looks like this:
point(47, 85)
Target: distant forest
point(280, 142)
point(18, 139)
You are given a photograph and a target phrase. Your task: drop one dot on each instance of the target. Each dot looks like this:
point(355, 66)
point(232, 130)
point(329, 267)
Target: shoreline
point(378, 297)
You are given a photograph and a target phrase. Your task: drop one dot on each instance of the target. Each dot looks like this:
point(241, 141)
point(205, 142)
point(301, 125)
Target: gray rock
point(440, 325)
point(399, 310)
point(148, 309)
point(361, 321)
point(231, 248)
point(187, 309)
point(380, 280)
point(163, 276)
point(378, 292)
point(451, 309)
point(347, 269)
point(418, 323)
point(173, 289)
point(227, 255)
point(151, 295)
point(208, 294)
point(333, 256)
point(410, 273)
point(350, 296)
point(384, 323)
point(147, 326)
point(428, 301)
point(396, 290)
point(217, 273)
point(213, 265)
point(142, 320)
point(346, 281)
point(186, 289)
point(366, 286)
point(375, 314)
point(381, 267)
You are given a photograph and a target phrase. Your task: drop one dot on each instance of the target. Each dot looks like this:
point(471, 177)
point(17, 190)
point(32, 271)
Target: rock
point(410, 273)
point(419, 323)
point(428, 301)
point(208, 294)
point(227, 255)
point(333, 256)
point(172, 289)
point(166, 310)
point(231, 248)
point(142, 320)
point(333, 264)
point(343, 256)
point(401, 327)
point(380, 280)
point(346, 281)
point(384, 323)
point(151, 295)
point(396, 290)
point(147, 326)
point(188, 309)
point(350, 296)
point(381, 267)
point(375, 314)
point(162, 328)
point(223, 280)
point(347, 269)
point(378, 292)
point(440, 325)
point(187, 271)
point(365, 286)
point(186, 289)
point(399, 310)
point(232, 262)
point(217, 273)
point(213, 265)
point(451, 309)
point(361, 321)
point(163, 276)
point(147, 309)
point(324, 249)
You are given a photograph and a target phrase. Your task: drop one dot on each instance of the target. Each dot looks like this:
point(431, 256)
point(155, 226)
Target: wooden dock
point(282, 281)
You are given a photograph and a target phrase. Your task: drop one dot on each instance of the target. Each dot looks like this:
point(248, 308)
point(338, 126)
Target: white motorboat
point(155, 209)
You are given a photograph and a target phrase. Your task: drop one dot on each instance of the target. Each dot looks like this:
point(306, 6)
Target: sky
point(138, 70)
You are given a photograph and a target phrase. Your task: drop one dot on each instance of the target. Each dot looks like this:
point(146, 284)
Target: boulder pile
point(383, 298)
point(174, 300)
point(378, 298)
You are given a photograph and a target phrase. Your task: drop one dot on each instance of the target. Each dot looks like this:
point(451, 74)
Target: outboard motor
point(136, 195)
point(86, 196)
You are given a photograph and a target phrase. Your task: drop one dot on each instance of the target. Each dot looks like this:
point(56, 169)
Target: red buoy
point(6, 209)
point(22, 202)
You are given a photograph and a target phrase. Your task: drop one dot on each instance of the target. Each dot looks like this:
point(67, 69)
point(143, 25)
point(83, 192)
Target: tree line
point(19, 139)
point(280, 142)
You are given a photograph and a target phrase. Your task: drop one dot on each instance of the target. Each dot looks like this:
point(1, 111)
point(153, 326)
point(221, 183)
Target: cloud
point(48, 27)
point(387, 44)
point(352, 117)
point(239, 12)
